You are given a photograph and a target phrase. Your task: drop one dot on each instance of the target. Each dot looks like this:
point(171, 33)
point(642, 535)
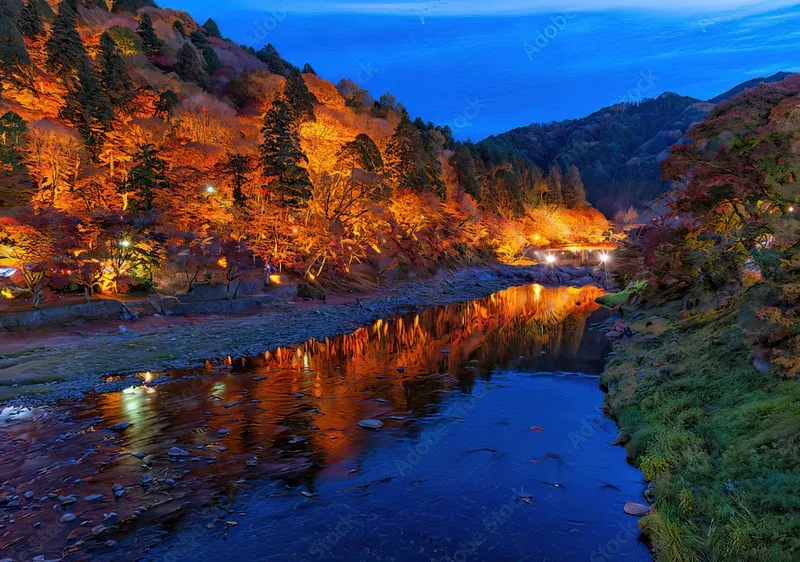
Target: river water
point(492, 447)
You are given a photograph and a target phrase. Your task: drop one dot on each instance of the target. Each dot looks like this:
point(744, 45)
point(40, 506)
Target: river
point(493, 447)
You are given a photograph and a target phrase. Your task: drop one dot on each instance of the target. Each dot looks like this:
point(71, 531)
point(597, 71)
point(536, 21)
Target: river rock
point(121, 426)
point(370, 424)
point(68, 518)
point(305, 291)
point(146, 480)
point(177, 452)
point(637, 509)
point(93, 497)
point(762, 366)
point(29, 495)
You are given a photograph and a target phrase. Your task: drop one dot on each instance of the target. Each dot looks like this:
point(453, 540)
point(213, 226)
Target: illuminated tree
point(166, 102)
point(152, 43)
point(114, 75)
point(411, 159)
point(281, 155)
point(36, 242)
point(86, 105)
point(237, 168)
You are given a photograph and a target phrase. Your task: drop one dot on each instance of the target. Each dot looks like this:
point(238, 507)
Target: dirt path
point(48, 365)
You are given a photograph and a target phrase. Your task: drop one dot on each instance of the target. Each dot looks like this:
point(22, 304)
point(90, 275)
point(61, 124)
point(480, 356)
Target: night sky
point(476, 65)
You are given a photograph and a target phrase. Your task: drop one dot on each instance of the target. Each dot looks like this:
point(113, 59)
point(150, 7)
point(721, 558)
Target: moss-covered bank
point(719, 441)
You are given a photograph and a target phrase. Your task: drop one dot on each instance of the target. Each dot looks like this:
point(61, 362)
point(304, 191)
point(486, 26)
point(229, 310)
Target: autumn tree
point(86, 104)
point(300, 100)
point(167, 101)
point(144, 179)
point(152, 43)
point(114, 75)
point(188, 66)
point(281, 155)
point(35, 242)
point(354, 96)
point(212, 29)
point(30, 22)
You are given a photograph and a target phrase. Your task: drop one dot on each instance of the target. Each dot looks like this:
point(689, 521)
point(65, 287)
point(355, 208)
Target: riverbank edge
point(712, 435)
point(43, 375)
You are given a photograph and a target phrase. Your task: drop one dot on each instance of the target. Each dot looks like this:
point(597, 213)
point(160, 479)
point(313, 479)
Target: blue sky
point(476, 65)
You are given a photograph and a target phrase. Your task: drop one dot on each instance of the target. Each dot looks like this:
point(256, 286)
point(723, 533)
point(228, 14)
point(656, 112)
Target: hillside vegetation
point(141, 149)
point(706, 390)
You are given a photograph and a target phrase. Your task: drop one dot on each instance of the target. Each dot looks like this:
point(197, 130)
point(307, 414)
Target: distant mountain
point(777, 77)
point(618, 149)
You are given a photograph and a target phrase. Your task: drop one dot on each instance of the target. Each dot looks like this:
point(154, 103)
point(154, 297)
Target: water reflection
point(159, 451)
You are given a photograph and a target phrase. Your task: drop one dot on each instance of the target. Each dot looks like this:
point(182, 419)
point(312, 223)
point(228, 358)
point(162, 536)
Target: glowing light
point(125, 243)
point(148, 376)
point(791, 209)
point(295, 230)
point(211, 190)
point(7, 294)
point(275, 279)
point(604, 257)
point(551, 258)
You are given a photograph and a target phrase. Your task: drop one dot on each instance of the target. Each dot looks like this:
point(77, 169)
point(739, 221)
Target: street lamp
point(125, 243)
point(604, 259)
point(551, 259)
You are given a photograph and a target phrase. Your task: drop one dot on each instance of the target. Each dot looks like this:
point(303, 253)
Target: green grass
point(719, 440)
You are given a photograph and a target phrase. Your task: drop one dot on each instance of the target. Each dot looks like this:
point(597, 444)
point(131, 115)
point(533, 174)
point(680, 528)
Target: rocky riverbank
point(49, 367)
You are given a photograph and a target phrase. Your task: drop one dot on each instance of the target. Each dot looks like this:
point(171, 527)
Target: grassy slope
point(718, 439)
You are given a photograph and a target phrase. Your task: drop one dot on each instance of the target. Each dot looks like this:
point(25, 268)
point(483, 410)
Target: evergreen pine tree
point(212, 29)
point(177, 27)
point(30, 22)
point(308, 70)
point(188, 66)
point(12, 130)
point(275, 64)
point(412, 158)
point(198, 39)
point(166, 102)
point(237, 166)
point(211, 59)
point(114, 75)
point(151, 41)
point(65, 50)
point(145, 179)
point(574, 191)
point(14, 59)
point(281, 155)
point(87, 106)
point(301, 101)
point(361, 153)
point(555, 184)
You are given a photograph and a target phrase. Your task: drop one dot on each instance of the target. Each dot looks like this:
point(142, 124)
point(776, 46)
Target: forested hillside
point(140, 148)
